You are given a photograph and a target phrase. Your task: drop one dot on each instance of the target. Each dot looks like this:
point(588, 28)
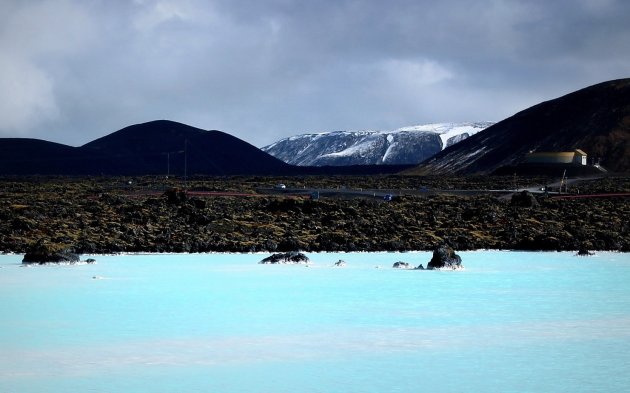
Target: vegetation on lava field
point(106, 215)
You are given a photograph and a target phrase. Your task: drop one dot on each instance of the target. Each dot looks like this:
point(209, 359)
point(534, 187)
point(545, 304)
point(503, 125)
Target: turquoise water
point(509, 322)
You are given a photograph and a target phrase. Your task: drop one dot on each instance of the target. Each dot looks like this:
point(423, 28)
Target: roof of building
point(552, 153)
point(557, 153)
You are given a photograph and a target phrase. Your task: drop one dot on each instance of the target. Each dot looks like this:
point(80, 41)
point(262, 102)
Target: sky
point(75, 70)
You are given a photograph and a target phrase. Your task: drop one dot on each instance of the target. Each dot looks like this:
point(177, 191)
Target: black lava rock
point(524, 199)
point(286, 257)
point(41, 253)
point(444, 257)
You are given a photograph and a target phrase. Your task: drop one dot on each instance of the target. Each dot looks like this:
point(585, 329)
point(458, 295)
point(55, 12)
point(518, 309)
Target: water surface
point(509, 322)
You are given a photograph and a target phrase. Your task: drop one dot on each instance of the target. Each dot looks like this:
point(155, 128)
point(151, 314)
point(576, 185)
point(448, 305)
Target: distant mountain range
point(409, 145)
point(595, 119)
point(158, 147)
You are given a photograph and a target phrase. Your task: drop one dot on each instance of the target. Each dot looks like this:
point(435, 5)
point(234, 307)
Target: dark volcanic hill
point(160, 146)
point(595, 119)
point(153, 148)
point(20, 156)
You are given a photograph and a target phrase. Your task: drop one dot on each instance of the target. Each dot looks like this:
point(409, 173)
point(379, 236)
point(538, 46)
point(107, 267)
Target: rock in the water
point(401, 265)
point(42, 253)
point(340, 263)
point(444, 257)
point(420, 267)
point(286, 257)
point(584, 252)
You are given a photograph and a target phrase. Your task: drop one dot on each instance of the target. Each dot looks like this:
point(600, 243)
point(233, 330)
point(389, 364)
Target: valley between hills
point(96, 215)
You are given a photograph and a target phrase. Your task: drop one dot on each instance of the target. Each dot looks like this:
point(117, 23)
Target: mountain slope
point(153, 148)
point(22, 156)
point(162, 145)
point(595, 119)
point(409, 145)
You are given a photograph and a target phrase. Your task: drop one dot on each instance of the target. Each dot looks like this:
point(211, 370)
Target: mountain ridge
point(595, 119)
point(159, 147)
point(406, 145)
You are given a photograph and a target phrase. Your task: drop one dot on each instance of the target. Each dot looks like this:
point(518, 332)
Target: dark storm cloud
point(72, 71)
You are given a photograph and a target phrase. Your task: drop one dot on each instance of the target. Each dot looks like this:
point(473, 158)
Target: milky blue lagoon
point(509, 322)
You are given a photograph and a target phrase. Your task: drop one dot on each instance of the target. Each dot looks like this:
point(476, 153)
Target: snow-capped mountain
point(407, 145)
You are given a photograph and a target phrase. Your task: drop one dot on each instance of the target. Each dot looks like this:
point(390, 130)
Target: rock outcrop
point(444, 257)
point(401, 265)
point(42, 253)
point(292, 257)
point(175, 196)
point(524, 199)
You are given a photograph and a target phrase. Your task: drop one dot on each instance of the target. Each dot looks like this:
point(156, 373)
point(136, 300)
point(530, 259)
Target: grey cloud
point(263, 70)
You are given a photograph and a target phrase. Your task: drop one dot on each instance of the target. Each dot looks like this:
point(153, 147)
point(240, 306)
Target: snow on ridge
point(445, 130)
point(312, 135)
point(432, 127)
point(445, 136)
point(371, 146)
point(445, 127)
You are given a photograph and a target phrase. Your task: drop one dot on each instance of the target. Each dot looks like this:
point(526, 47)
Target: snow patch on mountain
point(450, 133)
point(392, 147)
point(360, 150)
point(407, 145)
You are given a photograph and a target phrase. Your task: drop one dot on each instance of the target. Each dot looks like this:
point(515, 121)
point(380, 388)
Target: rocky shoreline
point(104, 216)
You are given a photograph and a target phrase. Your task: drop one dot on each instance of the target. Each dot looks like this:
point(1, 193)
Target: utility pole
point(185, 164)
point(514, 180)
point(168, 161)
